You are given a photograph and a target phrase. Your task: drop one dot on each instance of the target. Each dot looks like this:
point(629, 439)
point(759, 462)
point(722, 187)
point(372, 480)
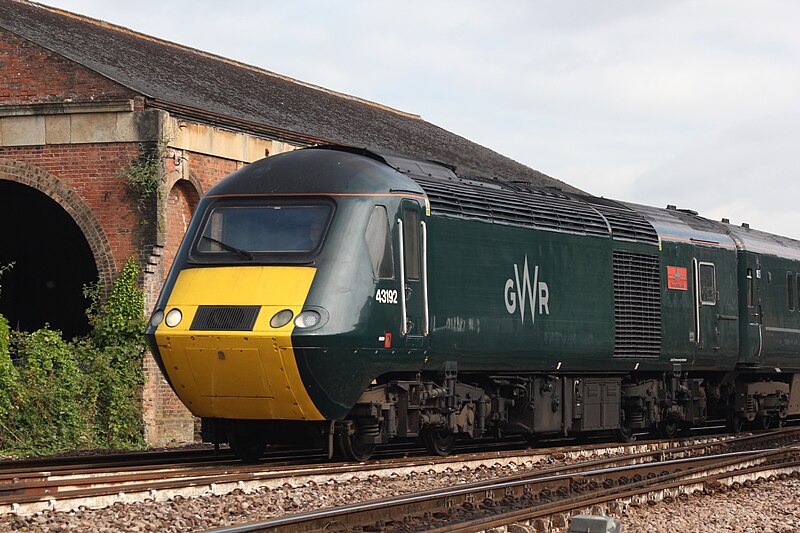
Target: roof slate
point(174, 74)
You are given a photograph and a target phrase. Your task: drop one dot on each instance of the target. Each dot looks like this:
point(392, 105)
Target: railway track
point(555, 493)
point(25, 490)
point(66, 483)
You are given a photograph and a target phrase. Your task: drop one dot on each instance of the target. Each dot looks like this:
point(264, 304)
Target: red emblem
point(677, 278)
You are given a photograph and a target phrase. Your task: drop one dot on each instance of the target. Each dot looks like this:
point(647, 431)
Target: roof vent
point(726, 221)
point(671, 207)
point(745, 225)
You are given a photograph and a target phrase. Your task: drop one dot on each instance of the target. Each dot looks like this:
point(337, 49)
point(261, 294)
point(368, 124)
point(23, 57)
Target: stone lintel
point(200, 138)
point(63, 108)
point(96, 126)
point(80, 128)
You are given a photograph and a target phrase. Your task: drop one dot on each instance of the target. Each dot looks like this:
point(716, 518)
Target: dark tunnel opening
point(52, 263)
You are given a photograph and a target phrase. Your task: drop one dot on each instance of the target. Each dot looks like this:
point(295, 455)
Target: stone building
point(81, 101)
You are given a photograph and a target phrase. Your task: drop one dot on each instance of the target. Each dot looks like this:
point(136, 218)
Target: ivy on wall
point(58, 395)
point(145, 174)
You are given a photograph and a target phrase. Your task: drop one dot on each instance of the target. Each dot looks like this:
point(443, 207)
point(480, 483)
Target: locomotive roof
point(519, 203)
point(316, 171)
point(687, 226)
point(197, 84)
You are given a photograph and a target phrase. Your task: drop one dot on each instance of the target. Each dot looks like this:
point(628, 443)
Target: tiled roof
point(191, 80)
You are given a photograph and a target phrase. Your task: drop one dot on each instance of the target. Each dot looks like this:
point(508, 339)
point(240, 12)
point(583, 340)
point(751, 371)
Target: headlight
point(173, 318)
point(281, 318)
point(157, 317)
point(307, 319)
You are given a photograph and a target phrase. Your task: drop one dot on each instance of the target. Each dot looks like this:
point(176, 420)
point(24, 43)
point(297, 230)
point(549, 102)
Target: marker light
point(307, 319)
point(173, 318)
point(157, 317)
point(281, 318)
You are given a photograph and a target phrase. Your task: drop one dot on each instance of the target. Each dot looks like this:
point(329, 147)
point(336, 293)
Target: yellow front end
point(238, 374)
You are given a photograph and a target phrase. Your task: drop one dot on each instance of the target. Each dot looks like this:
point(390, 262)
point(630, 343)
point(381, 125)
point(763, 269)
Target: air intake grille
point(626, 224)
point(513, 204)
point(637, 305)
point(225, 318)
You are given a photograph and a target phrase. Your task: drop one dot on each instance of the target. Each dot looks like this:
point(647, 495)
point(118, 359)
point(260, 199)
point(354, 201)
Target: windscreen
point(233, 231)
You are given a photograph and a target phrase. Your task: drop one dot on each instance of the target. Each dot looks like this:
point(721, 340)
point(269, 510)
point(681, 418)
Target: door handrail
point(404, 316)
point(425, 327)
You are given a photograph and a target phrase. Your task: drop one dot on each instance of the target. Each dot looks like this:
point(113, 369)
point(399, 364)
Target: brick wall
point(84, 179)
point(91, 171)
point(209, 170)
point(181, 203)
point(32, 74)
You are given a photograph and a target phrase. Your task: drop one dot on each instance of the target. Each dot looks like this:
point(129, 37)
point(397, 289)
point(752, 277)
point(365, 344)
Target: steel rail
point(65, 490)
point(561, 481)
point(61, 480)
point(697, 477)
point(62, 488)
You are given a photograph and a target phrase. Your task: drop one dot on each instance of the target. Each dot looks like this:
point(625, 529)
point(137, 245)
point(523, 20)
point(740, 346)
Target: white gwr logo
point(518, 291)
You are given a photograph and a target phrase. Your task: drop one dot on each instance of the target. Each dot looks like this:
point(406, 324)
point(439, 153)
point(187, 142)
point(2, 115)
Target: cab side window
point(797, 286)
point(411, 242)
point(708, 284)
point(379, 244)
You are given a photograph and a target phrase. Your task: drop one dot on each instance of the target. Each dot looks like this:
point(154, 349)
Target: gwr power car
point(347, 298)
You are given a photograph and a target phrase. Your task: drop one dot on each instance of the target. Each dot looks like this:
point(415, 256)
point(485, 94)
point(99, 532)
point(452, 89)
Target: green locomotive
point(341, 297)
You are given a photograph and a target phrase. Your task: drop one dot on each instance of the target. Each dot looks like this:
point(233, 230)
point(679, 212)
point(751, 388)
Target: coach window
point(790, 287)
point(379, 244)
point(750, 287)
point(411, 242)
point(708, 284)
point(797, 286)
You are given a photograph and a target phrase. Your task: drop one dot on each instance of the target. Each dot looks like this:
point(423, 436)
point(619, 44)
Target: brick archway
point(182, 199)
point(68, 199)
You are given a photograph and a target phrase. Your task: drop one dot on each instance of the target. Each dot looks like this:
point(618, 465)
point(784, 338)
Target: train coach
point(341, 298)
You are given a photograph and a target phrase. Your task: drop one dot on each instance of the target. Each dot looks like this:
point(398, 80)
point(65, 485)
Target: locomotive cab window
point(749, 287)
point(790, 291)
point(797, 286)
point(241, 231)
point(411, 240)
point(379, 244)
point(708, 284)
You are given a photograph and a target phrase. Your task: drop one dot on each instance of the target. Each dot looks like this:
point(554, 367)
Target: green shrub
point(48, 414)
point(117, 337)
point(59, 396)
point(8, 373)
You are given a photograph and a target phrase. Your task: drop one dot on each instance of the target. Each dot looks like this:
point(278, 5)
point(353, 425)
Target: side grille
point(637, 305)
point(626, 224)
point(512, 204)
point(225, 318)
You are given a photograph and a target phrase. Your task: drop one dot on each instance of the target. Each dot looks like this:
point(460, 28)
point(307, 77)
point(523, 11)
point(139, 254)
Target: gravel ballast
point(764, 507)
point(768, 507)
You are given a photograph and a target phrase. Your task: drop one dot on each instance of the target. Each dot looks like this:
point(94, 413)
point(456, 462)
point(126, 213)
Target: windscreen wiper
point(229, 247)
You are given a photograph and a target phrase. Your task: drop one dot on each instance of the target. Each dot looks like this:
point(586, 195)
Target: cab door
point(707, 332)
point(412, 250)
point(751, 311)
point(716, 297)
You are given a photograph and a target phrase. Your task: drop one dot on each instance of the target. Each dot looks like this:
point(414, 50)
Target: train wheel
point(667, 429)
point(735, 423)
point(349, 448)
point(246, 446)
point(438, 442)
point(624, 433)
point(763, 422)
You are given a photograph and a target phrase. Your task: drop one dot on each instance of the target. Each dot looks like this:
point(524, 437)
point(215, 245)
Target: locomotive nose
point(229, 341)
